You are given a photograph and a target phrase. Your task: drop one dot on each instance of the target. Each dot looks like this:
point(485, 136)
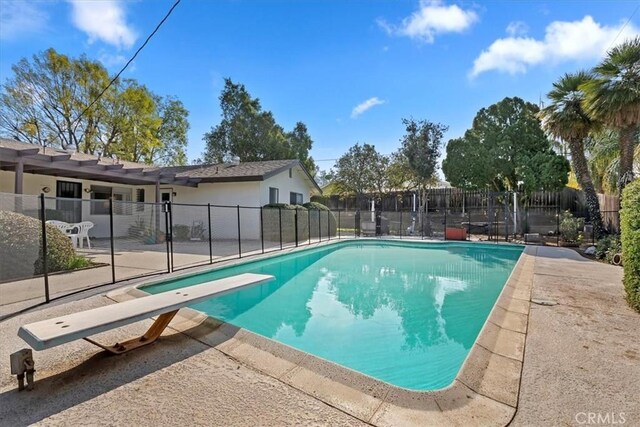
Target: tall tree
point(299, 144)
point(359, 171)
point(172, 132)
point(252, 134)
point(505, 147)
point(414, 165)
point(564, 118)
point(41, 102)
point(46, 103)
point(613, 96)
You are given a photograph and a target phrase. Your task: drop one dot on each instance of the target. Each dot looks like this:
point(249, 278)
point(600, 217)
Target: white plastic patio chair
point(83, 232)
point(67, 229)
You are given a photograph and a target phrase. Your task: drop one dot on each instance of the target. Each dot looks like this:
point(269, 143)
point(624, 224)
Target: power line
point(623, 27)
point(128, 62)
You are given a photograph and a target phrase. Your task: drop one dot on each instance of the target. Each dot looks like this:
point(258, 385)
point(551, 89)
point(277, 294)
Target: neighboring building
point(32, 170)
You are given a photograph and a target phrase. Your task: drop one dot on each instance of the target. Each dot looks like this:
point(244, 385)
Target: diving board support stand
point(152, 334)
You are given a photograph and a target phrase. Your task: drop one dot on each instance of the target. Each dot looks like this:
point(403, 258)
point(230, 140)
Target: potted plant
point(570, 227)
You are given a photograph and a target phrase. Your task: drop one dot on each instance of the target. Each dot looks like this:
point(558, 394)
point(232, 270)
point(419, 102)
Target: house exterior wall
point(224, 220)
point(297, 183)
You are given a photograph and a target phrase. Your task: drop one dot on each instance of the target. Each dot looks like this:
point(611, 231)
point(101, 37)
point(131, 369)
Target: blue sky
point(350, 70)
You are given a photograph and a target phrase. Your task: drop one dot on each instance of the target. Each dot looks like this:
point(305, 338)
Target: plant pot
point(455, 234)
point(617, 259)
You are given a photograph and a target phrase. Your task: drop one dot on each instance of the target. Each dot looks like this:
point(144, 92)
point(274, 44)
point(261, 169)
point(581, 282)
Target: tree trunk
point(626, 156)
point(583, 175)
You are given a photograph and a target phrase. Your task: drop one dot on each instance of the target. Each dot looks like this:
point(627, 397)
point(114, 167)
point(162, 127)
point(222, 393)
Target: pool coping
point(485, 390)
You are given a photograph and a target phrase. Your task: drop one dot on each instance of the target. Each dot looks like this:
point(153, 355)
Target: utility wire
point(623, 27)
point(128, 62)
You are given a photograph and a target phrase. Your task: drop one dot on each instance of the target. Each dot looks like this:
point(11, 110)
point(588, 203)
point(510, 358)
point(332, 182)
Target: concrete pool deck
point(579, 357)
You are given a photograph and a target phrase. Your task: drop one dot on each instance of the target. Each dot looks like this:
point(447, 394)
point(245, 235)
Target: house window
point(140, 199)
point(273, 195)
point(296, 198)
point(122, 195)
point(100, 200)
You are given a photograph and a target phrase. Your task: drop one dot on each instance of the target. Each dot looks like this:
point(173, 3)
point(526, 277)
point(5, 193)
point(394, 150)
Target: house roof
point(245, 171)
point(52, 161)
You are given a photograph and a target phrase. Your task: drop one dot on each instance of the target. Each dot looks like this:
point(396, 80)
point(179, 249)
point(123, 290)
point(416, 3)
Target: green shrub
point(607, 247)
point(78, 261)
point(21, 247)
point(60, 252)
point(315, 206)
point(630, 236)
point(181, 232)
point(284, 206)
point(570, 227)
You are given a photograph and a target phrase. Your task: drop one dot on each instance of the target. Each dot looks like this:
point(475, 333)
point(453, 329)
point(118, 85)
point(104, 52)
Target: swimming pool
point(404, 313)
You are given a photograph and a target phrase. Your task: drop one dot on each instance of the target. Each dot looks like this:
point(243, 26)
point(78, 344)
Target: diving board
point(60, 330)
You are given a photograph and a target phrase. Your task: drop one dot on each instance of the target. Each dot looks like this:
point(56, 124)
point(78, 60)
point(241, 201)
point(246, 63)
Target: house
point(83, 184)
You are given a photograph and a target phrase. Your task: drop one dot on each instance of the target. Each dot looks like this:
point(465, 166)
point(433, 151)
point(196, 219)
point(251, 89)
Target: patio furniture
point(83, 232)
point(68, 230)
point(71, 327)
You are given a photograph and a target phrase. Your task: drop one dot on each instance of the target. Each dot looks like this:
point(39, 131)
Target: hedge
point(21, 247)
point(271, 216)
point(315, 206)
point(630, 237)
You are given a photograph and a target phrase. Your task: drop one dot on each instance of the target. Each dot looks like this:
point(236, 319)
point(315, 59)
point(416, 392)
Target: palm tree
point(613, 96)
point(604, 160)
point(564, 118)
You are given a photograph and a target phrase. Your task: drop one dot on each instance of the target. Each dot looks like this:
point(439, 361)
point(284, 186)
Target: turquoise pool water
point(404, 313)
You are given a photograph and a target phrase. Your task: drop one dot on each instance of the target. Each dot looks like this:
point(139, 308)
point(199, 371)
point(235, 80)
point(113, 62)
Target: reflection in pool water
point(404, 313)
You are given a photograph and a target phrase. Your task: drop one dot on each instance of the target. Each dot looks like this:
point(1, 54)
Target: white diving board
point(60, 330)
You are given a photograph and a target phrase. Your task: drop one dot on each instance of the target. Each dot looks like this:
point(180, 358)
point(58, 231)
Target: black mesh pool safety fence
point(52, 247)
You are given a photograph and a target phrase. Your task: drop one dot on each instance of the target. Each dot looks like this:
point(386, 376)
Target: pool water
point(404, 313)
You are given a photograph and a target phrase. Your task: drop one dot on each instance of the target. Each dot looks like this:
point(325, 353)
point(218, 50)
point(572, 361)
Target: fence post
point(239, 236)
point(45, 263)
point(445, 221)
point(401, 229)
point(210, 240)
point(328, 225)
point(280, 224)
point(309, 223)
point(338, 228)
point(506, 218)
point(557, 225)
point(170, 231)
point(421, 224)
point(489, 215)
point(261, 229)
point(167, 234)
point(356, 229)
point(296, 226)
point(319, 227)
point(468, 223)
point(113, 262)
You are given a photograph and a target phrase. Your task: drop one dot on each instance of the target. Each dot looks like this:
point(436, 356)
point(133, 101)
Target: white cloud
point(517, 28)
point(433, 17)
point(103, 20)
point(18, 18)
point(563, 41)
point(364, 106)
point(111, 60)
